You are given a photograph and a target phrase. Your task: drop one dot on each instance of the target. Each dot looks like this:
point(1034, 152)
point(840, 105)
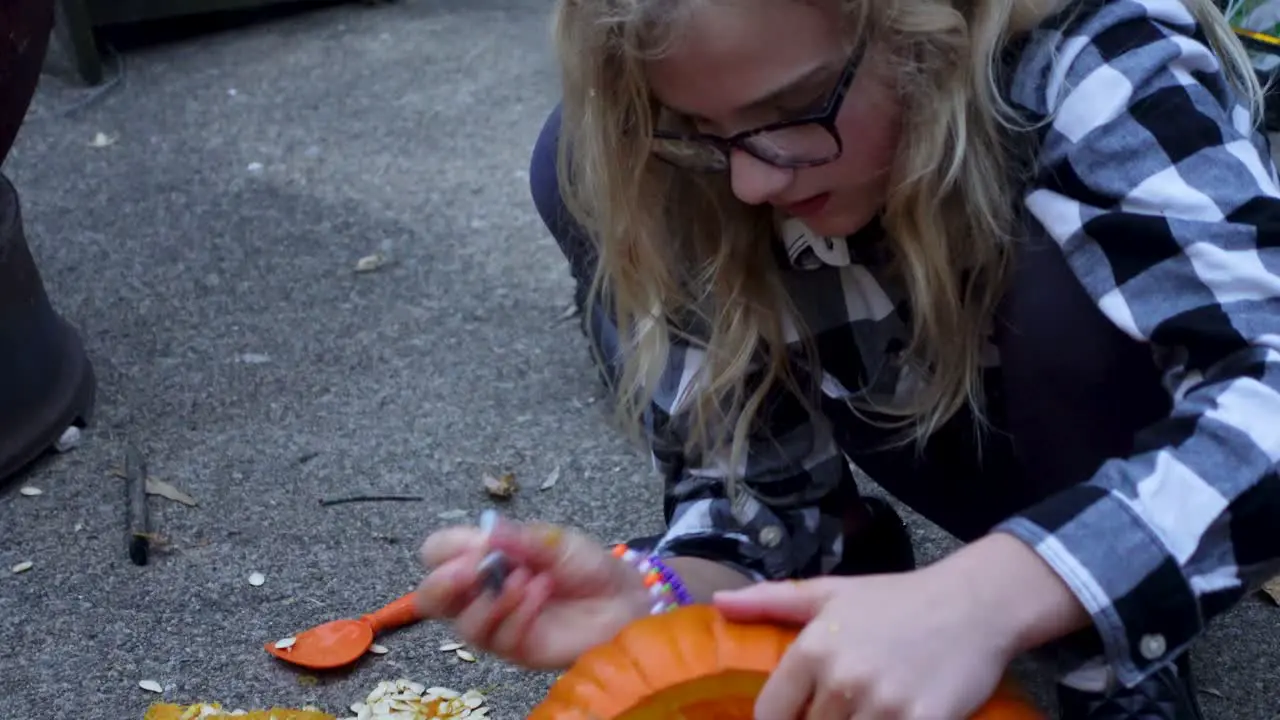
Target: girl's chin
point(833, 223)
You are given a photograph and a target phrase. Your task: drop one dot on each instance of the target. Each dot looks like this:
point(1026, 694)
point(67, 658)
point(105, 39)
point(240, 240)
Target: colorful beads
point(664, 585)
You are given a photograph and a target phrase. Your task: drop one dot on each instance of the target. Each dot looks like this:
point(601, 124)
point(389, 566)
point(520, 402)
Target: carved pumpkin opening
point(692, 664)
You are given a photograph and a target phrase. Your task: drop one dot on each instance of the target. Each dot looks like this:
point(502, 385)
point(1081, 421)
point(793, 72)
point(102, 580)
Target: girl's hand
point(565, 593)
point(932, 644)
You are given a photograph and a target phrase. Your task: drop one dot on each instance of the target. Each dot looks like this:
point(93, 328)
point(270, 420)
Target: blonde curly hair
point(677, 249)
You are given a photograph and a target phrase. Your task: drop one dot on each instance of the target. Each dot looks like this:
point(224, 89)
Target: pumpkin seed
point(464, 655)
point(442, 692)
point(151, 686)
point(69, 439)
point(451, 646)
point(23, 566)
point(369, 263)
point(285, 643)
point(377, 649)
point(257, 579)
point(411, 687)
point(404, 699)
point(31, 491)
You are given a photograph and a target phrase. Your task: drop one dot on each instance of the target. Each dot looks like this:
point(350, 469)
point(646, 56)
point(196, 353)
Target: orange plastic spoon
point(342, 642)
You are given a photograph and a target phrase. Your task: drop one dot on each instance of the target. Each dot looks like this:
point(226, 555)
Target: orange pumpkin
point(693, 663)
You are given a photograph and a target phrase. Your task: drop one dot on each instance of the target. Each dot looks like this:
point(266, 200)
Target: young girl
point(1015, 259)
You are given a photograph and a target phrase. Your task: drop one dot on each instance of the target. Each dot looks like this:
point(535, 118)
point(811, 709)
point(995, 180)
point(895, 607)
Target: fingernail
point(488, 521)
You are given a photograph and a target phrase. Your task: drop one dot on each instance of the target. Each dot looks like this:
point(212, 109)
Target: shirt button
point(1152, 646)
point(771, 536)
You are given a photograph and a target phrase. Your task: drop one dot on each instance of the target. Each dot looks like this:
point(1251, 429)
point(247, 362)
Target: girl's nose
point(754, 181)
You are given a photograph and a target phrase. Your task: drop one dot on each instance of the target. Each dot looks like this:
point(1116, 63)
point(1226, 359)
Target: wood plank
point(75, 32)
point(120, 12)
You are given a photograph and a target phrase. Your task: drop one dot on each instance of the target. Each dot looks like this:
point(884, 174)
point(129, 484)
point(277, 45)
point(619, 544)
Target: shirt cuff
point(1134, 590)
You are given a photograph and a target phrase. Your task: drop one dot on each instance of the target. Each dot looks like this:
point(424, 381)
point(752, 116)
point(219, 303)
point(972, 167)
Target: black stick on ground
point(138, 530)
point(371, 498)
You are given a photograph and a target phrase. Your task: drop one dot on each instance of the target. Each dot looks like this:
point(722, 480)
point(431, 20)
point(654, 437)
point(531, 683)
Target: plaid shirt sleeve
point(1164, 201)
point(784, 521)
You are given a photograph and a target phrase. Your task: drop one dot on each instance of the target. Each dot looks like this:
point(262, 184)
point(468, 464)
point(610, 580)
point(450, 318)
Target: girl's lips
point(811, 206)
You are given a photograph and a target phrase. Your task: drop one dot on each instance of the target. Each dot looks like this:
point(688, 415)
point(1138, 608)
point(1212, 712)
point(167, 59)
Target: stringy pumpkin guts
point(214, 711)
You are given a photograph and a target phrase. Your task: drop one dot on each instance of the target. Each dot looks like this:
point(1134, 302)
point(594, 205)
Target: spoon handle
point(402, 611)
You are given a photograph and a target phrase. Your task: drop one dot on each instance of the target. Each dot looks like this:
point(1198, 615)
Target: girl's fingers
point(508, 638)
point(444, 545)
point(785, 601)
point(832, 704)
point(538, 546)
point(789, 688)
point(487, 609)
point(444, 591)
point(573, 559)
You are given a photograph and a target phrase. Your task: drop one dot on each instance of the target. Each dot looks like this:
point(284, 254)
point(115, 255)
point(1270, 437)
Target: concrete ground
point(206, 253)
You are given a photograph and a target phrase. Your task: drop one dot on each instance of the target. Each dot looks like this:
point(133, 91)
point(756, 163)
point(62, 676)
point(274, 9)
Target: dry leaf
point(167, 491)
point(551, 480)
point(101, 140)
point(1272, 589)
point(503, 486)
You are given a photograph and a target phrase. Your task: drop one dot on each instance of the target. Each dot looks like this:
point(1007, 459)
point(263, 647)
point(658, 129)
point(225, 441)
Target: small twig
point(371, 498)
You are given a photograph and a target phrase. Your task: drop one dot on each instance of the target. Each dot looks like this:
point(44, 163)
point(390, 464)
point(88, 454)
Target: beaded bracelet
point(665, 585)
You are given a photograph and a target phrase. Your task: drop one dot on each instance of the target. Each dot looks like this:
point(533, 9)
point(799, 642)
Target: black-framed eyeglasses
point(801, 142)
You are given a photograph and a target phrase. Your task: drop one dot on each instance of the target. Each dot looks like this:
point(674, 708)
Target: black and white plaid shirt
point(1164, 200)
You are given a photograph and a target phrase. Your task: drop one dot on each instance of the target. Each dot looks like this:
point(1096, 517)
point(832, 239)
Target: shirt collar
point(807, 250)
